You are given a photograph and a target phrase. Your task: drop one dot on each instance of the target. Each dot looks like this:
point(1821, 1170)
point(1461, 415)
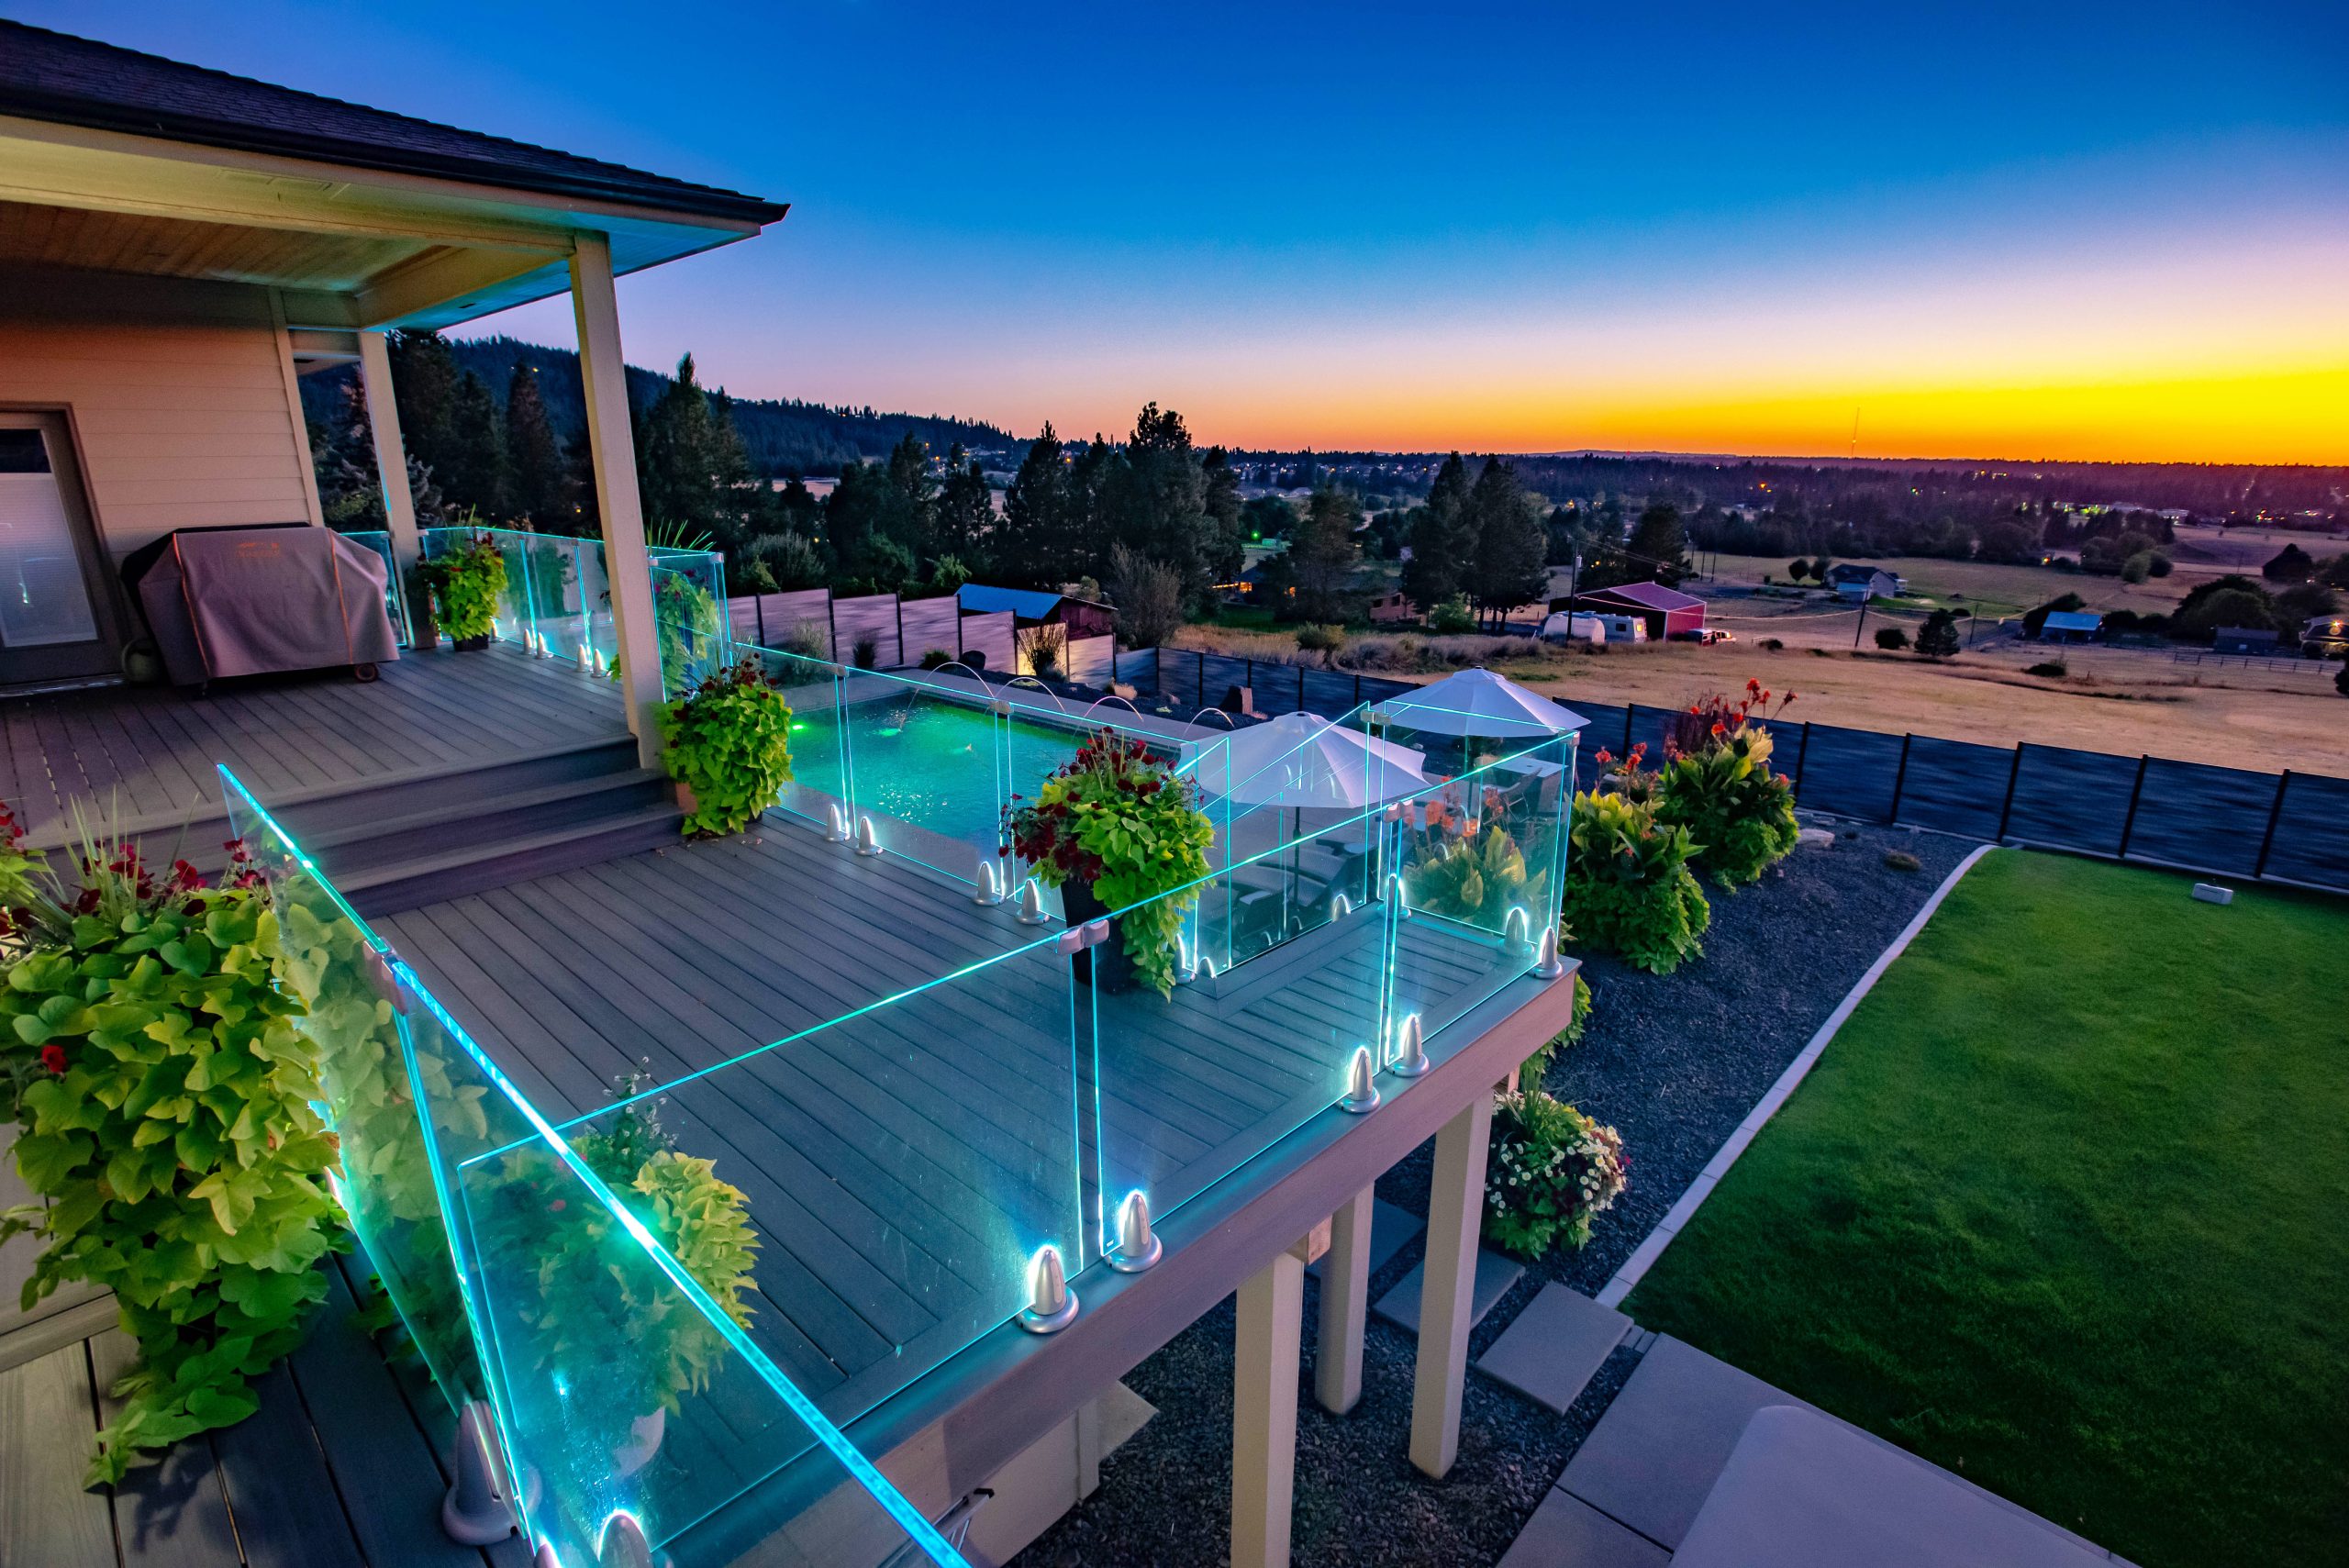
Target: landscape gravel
point(1675, 1063)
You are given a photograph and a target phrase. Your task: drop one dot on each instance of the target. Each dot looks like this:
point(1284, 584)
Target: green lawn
point(2065, 1208)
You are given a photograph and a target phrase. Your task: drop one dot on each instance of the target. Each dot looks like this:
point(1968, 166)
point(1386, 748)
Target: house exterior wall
point(180, 396)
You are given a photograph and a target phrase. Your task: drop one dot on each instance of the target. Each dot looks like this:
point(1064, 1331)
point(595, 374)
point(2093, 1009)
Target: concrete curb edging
point(1676, 1219)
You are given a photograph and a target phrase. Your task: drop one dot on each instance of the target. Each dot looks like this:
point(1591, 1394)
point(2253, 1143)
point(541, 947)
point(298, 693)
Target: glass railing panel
point(395, 593)
point(926, 760)
point(689, 606)
point(819, 787)
point(601, 632)
point(901, 1167)
point(1477, 860)
point(1189, 1083)
point(373, 1082)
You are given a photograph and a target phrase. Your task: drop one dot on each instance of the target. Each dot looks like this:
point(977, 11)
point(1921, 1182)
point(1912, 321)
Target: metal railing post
point(1899, 778)
point(2274, 814)
point(2129, 823)
point(1802, 752)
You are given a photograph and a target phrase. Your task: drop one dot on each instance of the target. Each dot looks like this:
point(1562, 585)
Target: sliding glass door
point(56, 620)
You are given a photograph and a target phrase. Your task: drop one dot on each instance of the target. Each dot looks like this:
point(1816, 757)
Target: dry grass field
point(2113, 700)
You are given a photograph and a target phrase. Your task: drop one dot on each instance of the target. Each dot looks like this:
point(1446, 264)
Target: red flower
point(52, 1056)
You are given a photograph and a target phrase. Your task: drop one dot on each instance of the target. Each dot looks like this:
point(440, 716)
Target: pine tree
point(474, 471)
point(1507, 563)
point(1442, 538)
point(966, 511)
point(541, 484)
point(1227, 538)
point(1036, 532)
point(911, 516)
point(1660, 543)
point(1323, 552)
point(1155, 500)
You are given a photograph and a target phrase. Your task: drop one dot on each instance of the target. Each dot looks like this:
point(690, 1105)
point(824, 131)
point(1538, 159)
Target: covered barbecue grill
point(251, 601)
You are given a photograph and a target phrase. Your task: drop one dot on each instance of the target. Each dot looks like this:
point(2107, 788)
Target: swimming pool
point(930, 763)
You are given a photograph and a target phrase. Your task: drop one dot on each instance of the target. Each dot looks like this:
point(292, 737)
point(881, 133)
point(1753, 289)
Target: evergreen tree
point(1154, 499)
point(1937, 639)
point(694, 474)
point(1038, 531)
point(966, 511)
point(542, 483)
point(1507, 565)
point(1096, 473)
point(1226, 540)
point(1660, 543)
point(911, 516)
point(474, 471)
point(424, 386)
point(1442, 538)
point(1323, 553)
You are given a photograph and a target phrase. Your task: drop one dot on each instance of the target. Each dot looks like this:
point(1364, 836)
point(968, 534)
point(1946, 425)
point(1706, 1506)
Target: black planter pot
point(1106, 967)
point(473, 644)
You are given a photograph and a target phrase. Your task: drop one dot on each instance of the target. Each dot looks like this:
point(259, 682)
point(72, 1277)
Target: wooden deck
point(339, 1469)
point(903, 1163)
point(148, 753)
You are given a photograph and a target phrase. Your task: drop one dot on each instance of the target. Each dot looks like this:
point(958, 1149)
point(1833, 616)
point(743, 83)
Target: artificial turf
point(2065, 1208)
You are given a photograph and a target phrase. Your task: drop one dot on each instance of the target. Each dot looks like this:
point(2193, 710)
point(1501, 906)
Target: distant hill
point(784, 436)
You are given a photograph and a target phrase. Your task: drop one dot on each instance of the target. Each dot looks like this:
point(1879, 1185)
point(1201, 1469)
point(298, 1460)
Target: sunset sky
point(2020, 231)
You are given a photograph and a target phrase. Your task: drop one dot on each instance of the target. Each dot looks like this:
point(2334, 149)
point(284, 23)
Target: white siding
point(176, 394)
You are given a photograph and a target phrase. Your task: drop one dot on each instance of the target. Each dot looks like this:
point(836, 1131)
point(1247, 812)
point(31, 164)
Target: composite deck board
point(890, 1157)
point(174, 1513)
point(148, 753)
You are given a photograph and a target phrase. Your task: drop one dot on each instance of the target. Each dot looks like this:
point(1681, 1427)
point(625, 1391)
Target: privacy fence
point(2289, 828)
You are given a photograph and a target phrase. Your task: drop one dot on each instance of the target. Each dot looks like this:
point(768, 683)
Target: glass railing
point(558, 599)
point(585, 1290)
point(394, 591)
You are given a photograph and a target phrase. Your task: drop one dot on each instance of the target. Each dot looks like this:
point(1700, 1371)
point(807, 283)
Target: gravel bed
point(1674, 1062)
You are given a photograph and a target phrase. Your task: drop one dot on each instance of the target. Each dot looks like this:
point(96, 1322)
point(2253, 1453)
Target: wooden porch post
point(1264, 1412)
point(391, 451)
point(603, 378)
point(1455, 1215)
point(1345, 1292)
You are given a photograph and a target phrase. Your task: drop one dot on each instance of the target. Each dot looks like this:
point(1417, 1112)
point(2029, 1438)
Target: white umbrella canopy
point(1302, 759)
point(1481, 704)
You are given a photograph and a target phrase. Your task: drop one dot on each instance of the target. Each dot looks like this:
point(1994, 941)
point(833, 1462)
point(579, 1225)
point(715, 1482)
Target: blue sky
point(1502, 224)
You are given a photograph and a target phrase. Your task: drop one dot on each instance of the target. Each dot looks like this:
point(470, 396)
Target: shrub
point(1716, 783)
point(2159, 565)
point(1475, 883)
point(467, 583)
point(2138, 567)
point(2289, 564)
point(1536, 1067)
point(809, 639)
point(729, 741)
point(1891, 639)
point(1117, 821)
point(164, 1098)
point(1452, 618)
point(1628, 886)
point(2053, 669)
point(1041, 649)
point(793, 562)
point(1901, 859)
point(1774, 644)
point(866, 651)
point(2232, 600)
point(1326, 640)
point(1552, 1170)
point(2341, 679)
point(936, 658)
point(1150, 597)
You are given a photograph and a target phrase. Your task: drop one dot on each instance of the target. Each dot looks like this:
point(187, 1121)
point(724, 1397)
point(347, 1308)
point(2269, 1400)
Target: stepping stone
point(1555, 1345)
point(1566, 1532)
point(1495, 1274)
point(1389, 1227)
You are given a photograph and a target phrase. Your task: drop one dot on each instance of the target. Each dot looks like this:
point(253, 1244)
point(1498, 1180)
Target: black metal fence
point(2289, 827)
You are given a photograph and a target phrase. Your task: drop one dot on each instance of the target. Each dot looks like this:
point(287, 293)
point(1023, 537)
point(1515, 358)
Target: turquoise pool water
point(929, 762)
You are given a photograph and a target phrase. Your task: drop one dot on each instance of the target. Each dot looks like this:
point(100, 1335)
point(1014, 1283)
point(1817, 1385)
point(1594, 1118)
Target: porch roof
point(123, 162)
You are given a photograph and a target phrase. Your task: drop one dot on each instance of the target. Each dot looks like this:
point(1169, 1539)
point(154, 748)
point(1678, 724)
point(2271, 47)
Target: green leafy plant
point(1453, 618)
point(1475, 881)
point(468, 584)
point(1118, 821)
point(1628, 886)
point(1551, 1172)
point(936, 659)
point(1536, 1067)
point(163, 1094)
point(1716, 783)
point(688, 617)
point(728, 740)
point(597, 1309)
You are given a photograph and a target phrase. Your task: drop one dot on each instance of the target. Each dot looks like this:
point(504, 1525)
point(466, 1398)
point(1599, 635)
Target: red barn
point(1670, 613)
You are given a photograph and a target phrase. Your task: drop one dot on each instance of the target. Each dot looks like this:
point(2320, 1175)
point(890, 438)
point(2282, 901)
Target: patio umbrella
point(1479, 703)
point(1302, 759)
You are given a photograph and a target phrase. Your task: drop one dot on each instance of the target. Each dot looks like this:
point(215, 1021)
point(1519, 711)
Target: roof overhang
point(347, 246)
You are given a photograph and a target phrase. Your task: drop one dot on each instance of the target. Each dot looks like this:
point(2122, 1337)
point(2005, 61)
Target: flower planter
point(473, 644)
point(1106, 967)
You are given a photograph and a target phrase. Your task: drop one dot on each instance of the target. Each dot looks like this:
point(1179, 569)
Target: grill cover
point(249, 601)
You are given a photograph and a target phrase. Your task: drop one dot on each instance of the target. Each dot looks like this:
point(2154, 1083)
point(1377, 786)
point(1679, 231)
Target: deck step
point(408, 884)
point(446, 827)
point(308, 818)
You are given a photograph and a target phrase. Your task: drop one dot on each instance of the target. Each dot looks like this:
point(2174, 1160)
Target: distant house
point(2244, 640)
point(1040, 607)
point(1855, 582)
point(2071, 626)
point(1391, 607)
point(1668, 612)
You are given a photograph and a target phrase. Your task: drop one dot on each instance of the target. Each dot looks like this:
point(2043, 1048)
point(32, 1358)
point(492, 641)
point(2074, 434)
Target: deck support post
point(1264, 1412)
point(391, 455)
point(1345, 1296)
point(1455, 1216)
point(620, 510)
